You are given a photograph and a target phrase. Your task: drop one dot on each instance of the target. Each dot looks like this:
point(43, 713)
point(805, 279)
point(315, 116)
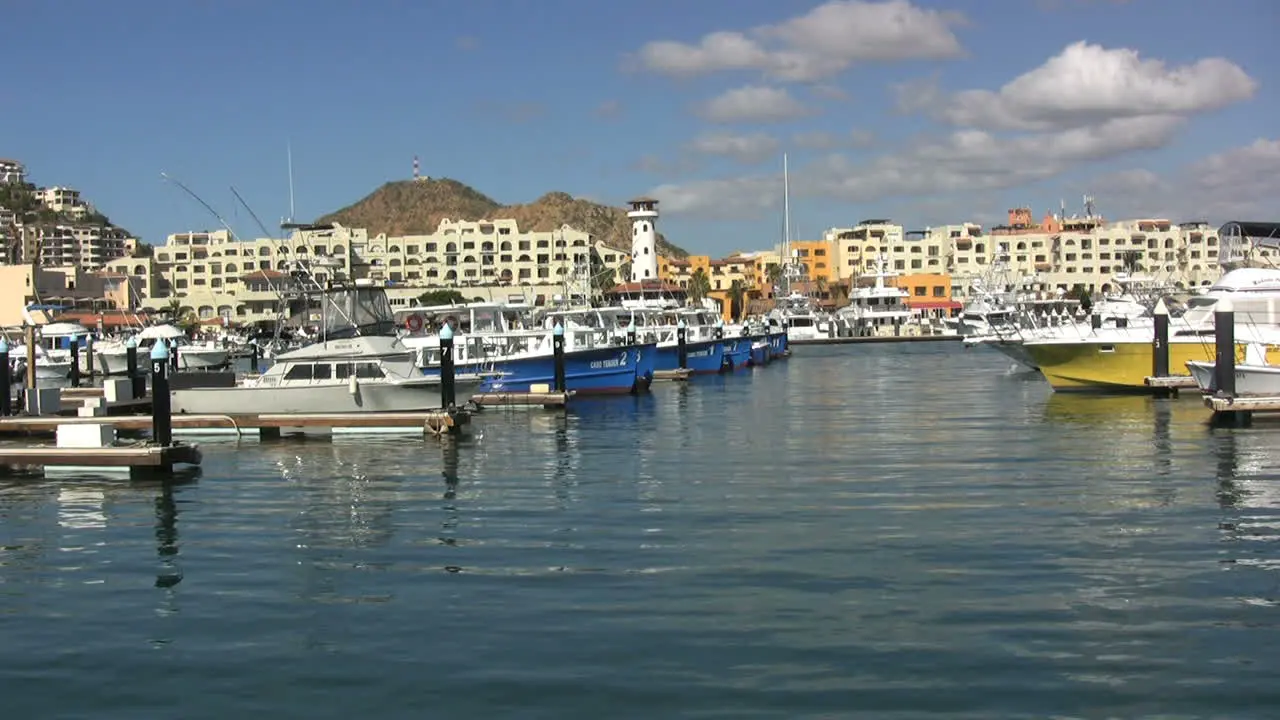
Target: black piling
point(5, 379)
point(137, 380)
point(1224, 338)
point(682, 349)
point(75, 362)
point(448, 393)
point(161, 405)
point(557, 350)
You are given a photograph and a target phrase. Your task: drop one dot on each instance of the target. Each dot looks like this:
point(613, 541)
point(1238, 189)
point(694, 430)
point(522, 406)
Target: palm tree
point(773, 273)
point(737, 300)
point(699, 285)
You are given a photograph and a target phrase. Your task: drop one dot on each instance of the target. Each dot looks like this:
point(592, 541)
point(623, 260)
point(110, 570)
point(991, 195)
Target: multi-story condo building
point(86, 246)
point(1055, 253)
point(214, 273)
point(12, 171)
point(62, 200)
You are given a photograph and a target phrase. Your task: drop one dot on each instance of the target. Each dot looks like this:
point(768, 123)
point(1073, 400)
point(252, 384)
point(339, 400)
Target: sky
point(924, 112)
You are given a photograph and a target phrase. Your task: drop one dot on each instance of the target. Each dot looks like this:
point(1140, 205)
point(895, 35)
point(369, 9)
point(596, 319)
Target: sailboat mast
point(786, 227)
point(289, 152)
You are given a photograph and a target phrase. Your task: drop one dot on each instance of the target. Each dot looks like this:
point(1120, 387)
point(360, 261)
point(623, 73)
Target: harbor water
point(882, 531)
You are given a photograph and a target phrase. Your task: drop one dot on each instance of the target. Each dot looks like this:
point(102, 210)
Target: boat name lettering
point(619, 361)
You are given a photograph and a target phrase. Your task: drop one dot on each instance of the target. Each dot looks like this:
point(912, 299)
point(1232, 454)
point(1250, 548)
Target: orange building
point(817, 257)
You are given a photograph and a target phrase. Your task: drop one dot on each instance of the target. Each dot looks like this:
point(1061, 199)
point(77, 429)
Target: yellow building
point(485, 259)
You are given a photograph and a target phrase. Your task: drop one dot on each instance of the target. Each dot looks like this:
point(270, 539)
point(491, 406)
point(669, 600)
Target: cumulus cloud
point(963, 161)
point(818, 44)
point(746, 149)
point(1086, 84)
point(1235, 184)
point(753, 103)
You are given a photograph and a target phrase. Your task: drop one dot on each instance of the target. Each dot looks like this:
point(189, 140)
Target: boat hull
point(1114, 366)
point(737, 353)
point(703, 357)
point(1251, 380)
point(326, 398)
point(596, 371)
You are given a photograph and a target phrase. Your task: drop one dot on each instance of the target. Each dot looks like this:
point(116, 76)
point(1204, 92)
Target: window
point(298, 372)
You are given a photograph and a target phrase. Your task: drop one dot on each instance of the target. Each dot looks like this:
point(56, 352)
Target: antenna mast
point(786, 226)
point(289, 151)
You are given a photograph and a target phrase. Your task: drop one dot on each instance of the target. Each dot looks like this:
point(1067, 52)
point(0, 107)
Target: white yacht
point(358, 365)
point(880, 309)
point(111, 357)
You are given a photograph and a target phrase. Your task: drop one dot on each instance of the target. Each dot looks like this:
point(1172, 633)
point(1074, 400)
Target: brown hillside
point(415, 207)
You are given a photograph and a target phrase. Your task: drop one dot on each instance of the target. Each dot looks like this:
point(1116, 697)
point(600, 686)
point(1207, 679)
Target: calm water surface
point(878, 531)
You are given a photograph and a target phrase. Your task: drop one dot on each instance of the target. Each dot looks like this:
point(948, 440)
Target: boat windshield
point(361, 311)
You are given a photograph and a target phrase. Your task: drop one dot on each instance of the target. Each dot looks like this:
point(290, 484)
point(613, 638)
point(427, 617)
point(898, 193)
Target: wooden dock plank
point(1242, 404)
point(675, 375)
point(126, 456)
point(543, 399)
point(28, 425)
point(1171, 381)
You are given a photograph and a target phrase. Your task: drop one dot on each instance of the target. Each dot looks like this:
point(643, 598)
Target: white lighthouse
point(644, 239)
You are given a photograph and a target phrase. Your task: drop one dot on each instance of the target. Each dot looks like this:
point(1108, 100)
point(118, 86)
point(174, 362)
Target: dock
point(873, 339)
point(141, 457)
point(522, 399)
point(677, 375)
point(435, 422)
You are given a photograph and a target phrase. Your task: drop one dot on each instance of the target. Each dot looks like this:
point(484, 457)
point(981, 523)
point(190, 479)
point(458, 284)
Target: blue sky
point(925, 112)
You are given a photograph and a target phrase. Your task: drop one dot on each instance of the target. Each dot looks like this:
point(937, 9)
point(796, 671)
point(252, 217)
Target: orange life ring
point(413, 323)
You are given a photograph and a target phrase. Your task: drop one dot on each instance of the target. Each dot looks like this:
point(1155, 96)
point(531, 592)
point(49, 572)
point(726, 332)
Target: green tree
point(441, 297)
point(737, 300)
point(699, 285)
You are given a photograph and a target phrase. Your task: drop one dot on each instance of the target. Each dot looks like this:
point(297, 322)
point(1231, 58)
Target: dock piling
point(138, 381)
point(1224, 339)
point(682, 350)
point(75, 363)
point(448, 396)
point(161, 406)
point(5, 379)
point(1160, 347)
point(30, 337)
point(557, 351)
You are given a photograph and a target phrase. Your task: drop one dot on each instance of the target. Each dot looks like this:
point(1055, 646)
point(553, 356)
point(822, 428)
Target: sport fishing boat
point(1120, 358)
point(518, 353)
point(357, 365)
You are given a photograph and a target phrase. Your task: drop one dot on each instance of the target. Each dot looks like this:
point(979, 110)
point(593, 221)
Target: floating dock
point(873, 339)
point(142, 457)
point(677, 375)
point(522, 399)
point(436, 422)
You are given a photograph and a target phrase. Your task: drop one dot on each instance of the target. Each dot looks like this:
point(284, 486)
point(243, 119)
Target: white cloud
point(752, 103)
point(1236, 184)
point(746, 149)
point(821, 43)
point(1086, 84)
point(723, 199)
point(964, 161)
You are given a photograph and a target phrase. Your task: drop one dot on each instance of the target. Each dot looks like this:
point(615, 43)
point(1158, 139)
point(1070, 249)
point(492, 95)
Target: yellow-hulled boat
point(1118, 364)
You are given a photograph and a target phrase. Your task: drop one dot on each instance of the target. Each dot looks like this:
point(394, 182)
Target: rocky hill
point(413, 207)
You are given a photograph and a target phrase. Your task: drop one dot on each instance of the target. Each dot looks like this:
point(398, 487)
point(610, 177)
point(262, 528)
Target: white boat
point(1254, 377)
point(111, 357)
point(879, 309)
point(358, 365)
